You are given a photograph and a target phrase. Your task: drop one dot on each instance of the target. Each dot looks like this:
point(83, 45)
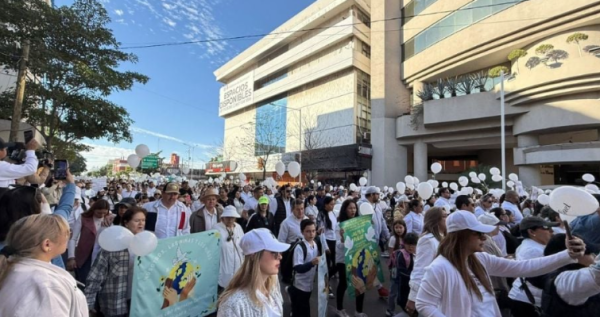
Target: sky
point(177, 110)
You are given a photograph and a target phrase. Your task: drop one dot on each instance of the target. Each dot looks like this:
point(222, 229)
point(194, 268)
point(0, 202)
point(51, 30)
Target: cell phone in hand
point(28, 136)
point(60, 170)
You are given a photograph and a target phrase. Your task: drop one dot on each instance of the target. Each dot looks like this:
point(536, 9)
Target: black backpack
point(287, 269)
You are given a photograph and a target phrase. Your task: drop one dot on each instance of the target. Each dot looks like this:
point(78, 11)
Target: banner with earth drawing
point(179, 278)
point(361, 255)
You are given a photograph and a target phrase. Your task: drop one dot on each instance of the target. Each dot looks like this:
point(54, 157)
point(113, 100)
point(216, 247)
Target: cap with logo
point(259, 240)
point(263, 200)
point(534, 222)
point(463, 220)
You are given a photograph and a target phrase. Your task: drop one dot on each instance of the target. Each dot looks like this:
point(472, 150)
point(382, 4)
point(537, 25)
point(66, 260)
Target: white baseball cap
point(230, 211)
point(261, 239)
point(488, 219)
point(462, 220)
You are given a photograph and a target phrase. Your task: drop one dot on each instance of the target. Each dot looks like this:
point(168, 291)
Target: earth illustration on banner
point(363, 267)
point(181, 278)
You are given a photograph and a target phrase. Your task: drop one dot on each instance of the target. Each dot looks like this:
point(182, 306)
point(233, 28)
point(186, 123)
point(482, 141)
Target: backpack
point(287, 269)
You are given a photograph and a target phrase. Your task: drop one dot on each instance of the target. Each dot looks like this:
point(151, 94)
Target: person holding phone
point(10, 172)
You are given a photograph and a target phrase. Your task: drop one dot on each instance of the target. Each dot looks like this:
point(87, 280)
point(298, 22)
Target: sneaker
point(360, 315)
point(389, 313)
point(331, 293)
point(385, 254)
point(383, 292)
point(341, 313)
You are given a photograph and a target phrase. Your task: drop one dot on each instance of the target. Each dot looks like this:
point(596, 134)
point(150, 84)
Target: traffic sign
point(150, 162)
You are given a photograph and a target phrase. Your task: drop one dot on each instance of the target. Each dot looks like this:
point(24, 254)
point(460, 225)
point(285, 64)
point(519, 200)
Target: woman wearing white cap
point(461, 271)
point(231, 252)
point(254, 289)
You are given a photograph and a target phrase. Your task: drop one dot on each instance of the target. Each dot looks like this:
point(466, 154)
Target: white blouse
point(231, 253)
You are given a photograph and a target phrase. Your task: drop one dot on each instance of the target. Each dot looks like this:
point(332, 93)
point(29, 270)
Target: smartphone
point(60, 170)
point(28, 135)
point(568, 230)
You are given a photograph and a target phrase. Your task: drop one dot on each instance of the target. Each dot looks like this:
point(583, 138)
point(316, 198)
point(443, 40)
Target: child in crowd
point(305, 260)
point(400, 272)
point(397, 238)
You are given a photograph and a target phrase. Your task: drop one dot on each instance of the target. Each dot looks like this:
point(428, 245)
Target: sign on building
point(150, 162)
point(237, 94)
point(221, 167)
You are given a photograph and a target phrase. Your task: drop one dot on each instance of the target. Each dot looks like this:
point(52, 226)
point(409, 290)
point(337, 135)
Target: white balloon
point(436, 167)
point(416, 181)
point(366, 209)
point(454, 186)
point(544, 199)
point(133, 161)
point(143, 243)
point(591, 187)
point(341, 188)
point(482, 177)
point(445, 184)
point(494, 171)
point(513, 177)
point(385, 188)
point(312, 181)
point(401, 187)
point(588, 178)
point(210, 179)
point(230, 177)
point(362, 181)
point(463, 181)
point(353, 187)
point(478, 191)
point(115, 238)
point(498, 193)
point(242, 177)
point(496, 178)
point(469, 190)
point(572, 201)
point(425, 190)
point(294, 169)
point(475, 180)
point(409, 180)
point(510, 184)
point(280, 168)
point(185, 170)
point(472, 175)
point(142, 151)
point(223, 175)
point(410, 186)
point(319, 184)
point(391, 190)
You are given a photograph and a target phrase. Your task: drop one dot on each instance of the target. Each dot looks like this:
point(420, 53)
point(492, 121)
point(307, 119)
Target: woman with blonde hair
point(29, 284)
point(461, 271)
point(254, 289)
point(434, 229)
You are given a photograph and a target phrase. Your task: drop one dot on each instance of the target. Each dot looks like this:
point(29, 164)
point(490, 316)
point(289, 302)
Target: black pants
point(300, 302)
point(341, 289)
point(331, 258)
point(522, 309)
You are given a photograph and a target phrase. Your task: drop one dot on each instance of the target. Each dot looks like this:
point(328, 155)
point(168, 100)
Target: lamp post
point(502, 131)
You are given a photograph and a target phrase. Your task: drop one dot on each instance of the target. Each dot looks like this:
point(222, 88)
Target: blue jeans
point(394, 290)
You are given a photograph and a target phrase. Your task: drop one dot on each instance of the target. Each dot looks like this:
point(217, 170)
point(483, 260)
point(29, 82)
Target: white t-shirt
point(330, 233)
point(392, 242)
point(529, 249)
point(304, 281)
point(484, 307)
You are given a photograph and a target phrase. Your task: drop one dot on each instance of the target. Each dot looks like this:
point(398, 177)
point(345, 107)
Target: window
point(366, 49)
point(363, 107)
point(270, 127)
point(271, 79)
point(454, 22)
point(363, 17)
point(414, 8)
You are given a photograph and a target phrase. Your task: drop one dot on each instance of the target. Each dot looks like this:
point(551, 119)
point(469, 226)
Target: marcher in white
point(254, 290)
point(290, 231)
point(231, 251)
point(511, 203)
point(444, 200)
point(485, 205)
point(10, 172)
point(414, 220)
point(172, 218)
point(462, 270)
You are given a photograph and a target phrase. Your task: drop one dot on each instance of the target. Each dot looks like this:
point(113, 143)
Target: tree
point(543, 49)
point(77, 56)
point(496, 71)
point(515, 55)
point(557, 55)
point(263, 137)
point(576, 38)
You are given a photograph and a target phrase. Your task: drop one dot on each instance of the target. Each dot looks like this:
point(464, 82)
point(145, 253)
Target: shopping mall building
point(387, 87)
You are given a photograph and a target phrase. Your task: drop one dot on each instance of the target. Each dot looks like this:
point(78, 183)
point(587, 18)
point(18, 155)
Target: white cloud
point(170, 22)
point(119, 12)
point(99, 155)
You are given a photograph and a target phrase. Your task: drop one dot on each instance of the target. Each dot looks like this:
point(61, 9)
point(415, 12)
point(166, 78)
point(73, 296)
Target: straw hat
point(209, 193)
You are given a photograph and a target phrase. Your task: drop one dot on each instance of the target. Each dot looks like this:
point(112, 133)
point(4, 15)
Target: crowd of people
point(448, 255)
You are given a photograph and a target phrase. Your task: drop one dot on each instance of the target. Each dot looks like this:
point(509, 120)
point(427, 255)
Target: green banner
point(361, 255)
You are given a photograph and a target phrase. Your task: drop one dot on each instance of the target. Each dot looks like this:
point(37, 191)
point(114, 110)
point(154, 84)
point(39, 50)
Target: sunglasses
point(480, 235)
point(275, 255)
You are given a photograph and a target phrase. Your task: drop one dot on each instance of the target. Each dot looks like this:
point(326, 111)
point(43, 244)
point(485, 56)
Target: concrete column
point(529, 174)
point(389, 97)
point(420, 160)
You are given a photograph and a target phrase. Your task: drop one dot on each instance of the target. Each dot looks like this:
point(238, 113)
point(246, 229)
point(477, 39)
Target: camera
point(47, 156)
point(16, 152)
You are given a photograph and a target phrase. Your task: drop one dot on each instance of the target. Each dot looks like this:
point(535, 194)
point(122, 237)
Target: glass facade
point(454, 22)
point(414, 8)
point(363, 111)
point(270, 127)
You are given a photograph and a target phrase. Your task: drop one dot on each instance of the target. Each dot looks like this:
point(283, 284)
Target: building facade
point(302, 94)
point(552, 89)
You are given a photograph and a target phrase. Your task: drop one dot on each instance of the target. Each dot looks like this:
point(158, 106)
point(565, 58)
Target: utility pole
point(21, 77)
